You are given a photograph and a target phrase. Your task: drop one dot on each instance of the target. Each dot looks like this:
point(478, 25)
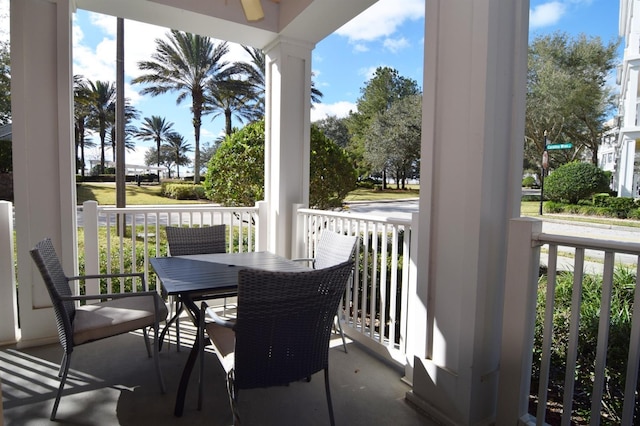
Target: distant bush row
point(599, 205)
point(179, 190)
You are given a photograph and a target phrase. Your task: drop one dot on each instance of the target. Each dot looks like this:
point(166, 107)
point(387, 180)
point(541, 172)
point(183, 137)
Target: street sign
point(559, 146)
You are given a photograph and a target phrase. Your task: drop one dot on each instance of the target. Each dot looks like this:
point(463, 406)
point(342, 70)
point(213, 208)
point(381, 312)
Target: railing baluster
point(633, 359)
point(545, 363)
point(574, 328)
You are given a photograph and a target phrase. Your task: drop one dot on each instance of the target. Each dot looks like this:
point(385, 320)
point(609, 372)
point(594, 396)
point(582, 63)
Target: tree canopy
point(380, 93)
point(568, 96)
point(235, 176)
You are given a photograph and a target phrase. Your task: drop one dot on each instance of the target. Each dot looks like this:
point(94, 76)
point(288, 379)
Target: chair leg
point(62, 364)
point(156, 355)
point(178, 310)
point(326, 386)
point(146, 340)
point(64, 369)
point(233, 397)
point(344, 342)
point(201, 335)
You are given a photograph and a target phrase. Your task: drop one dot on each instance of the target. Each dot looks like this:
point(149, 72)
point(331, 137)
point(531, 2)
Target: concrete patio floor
point(112, 382)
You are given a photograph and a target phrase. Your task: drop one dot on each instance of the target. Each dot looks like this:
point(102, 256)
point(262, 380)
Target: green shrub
point(600, 200)
point(553, 207)
point(574, 181)
point(528, 182)
point(184, 191)
point(620, 206)
point(617, 345)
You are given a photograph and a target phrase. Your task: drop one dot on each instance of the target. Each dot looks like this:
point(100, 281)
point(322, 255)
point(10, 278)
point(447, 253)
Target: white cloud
point(395, 44)
point(546, 14)
point(381, 20)
point(4, 20)
point(339, 109)
point(369, 72)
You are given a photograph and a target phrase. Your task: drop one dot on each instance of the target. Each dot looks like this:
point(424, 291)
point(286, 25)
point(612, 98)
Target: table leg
point(191, 360)
point(165, 330)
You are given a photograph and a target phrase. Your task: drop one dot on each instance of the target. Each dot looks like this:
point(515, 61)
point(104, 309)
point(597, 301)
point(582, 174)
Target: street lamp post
point(545, 166)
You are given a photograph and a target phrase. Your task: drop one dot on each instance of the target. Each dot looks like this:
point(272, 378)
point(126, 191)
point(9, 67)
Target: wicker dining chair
point(117, 314)
point(186, 241)
point(333, 248)
point(282, 330)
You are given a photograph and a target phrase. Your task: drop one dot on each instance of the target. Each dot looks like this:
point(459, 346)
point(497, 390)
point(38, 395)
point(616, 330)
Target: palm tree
point(184, 63)
point(255, 71)
point(102, 110)
point(130, 113)
point(81, 112)
point(177, 149)
point(156, 129)
point(231, 97)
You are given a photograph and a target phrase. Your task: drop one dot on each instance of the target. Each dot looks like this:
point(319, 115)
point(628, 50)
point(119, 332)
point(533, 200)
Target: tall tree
point(230, 97)
point(184, 63)
point(157, 129)
point(5, 83)
point(255, 71)
point(102, 111)
point(335, 129)
point(385, 87)
point(177, 149)
point(81, 113)
point(568, 96)
point(393, 139)
point(130, 131)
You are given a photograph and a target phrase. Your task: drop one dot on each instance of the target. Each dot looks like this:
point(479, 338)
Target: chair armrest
point(108, 295)
point(139, 275)
point(206, 310)
point(306, 259)
point(127, 274)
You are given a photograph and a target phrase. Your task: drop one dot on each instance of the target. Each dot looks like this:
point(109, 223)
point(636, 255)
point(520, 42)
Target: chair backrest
point(203, 240)
point(334, 248)
point(45, 257)
point(284, 323)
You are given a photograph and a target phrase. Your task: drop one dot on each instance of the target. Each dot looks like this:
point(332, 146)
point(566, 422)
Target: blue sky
point(384, 35)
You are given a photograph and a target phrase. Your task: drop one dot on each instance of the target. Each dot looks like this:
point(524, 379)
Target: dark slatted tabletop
point(214, 272)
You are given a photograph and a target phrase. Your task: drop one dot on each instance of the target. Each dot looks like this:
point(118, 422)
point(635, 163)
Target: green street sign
point(559, 146)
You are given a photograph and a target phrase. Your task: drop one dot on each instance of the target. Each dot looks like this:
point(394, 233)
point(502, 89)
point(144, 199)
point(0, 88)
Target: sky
point(343, 63)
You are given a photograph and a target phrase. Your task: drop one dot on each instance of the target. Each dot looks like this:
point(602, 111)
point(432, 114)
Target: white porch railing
point(521, 307)
point(375, 307)
point(130, 249)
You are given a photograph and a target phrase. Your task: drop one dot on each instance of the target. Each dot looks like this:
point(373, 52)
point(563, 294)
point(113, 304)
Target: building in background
point(627, 149)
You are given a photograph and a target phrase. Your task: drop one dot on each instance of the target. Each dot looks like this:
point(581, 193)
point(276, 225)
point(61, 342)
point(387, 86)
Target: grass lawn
point(105, 194)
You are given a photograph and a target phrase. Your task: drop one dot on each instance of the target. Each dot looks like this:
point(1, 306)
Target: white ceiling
point(307, 21)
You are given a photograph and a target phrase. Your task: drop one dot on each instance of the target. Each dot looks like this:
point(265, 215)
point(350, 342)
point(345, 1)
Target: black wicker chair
point(77, 325)
point(332, 249)
point(282, 330)
point(186, 241)
point(203, 240)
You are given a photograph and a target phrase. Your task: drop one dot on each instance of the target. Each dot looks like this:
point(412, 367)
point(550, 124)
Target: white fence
point(530, 300)
point(374, 310)
point(127, 237)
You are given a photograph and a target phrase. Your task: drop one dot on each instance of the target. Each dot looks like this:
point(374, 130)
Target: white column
point(287, 139)
point(43, 150)
point(472, 149)
point(8, 302)
point(630, 118)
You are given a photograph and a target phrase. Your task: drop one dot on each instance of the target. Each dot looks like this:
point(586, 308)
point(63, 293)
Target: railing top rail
point(587, 243)
point(364, 217)
point(174, 208)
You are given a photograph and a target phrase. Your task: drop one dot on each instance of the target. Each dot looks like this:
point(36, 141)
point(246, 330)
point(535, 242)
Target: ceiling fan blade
point(252, 10)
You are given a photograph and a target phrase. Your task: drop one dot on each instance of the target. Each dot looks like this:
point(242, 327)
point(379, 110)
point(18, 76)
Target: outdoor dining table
point(207, 276)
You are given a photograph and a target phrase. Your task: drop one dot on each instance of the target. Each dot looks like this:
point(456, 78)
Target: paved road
point(550, 225)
